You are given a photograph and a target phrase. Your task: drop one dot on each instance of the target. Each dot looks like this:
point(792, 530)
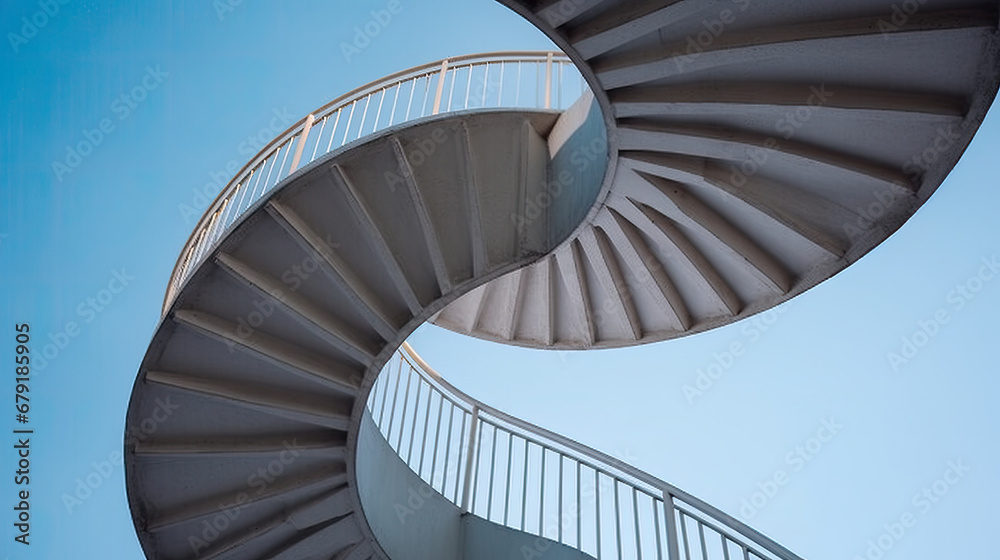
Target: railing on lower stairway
point(519, 475)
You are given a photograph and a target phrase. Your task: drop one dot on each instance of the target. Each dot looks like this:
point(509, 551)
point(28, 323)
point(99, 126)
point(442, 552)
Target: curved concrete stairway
point(707, 213)
point(758, 147)
point(267, 354)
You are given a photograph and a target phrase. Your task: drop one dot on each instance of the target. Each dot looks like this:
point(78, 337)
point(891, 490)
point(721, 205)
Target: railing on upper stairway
point(514, 473)
point(515, 79)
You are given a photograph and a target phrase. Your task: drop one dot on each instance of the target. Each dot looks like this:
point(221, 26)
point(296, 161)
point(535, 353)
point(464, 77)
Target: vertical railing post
point(302, 144)
point(440, 88)
point(673, 546)
point(548, 81)
point(470, 448)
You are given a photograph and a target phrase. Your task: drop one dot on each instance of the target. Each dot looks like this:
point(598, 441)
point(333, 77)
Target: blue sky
point(93, 243)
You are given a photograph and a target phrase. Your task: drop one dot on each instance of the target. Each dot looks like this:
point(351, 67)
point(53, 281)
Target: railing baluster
point(541, 499)
point(402, 415)
point(319, 137)
point(725, 546)
point(597, 510)
point(486, 84)
point(427, 90)
point(458, 468)
point(268, 179)
point(524, 489)
point(413, 427)
point(559, 87)
point(479, 453)
point(427, 418)
point(451, 89)
point(635, 514)
point(294, 140)
point(230, 203)
point(437, 436)
point(500, 87)
point(656, 528)
point(385, 396)
point(364, 116)
point(468, 87)
point(395, 398)
point(253, 194)
point(517, 92)
point(670, 520)
point(493, 464)
point(447, 449)
point(510, 457)
point(413, 89)
point(440, 87)
point(378, 114)
point(350, 118)
point(684, 533)
point(559, 512)
point(548, 81)
point(395, 101)
point(579, 510)
point(468, 458)
point(701, 537)
point(303, 136)
point(333, 131)
point(618, 518)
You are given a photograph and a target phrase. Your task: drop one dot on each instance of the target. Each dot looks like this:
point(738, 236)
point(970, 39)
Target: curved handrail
point(662, 515)
point(545, 85)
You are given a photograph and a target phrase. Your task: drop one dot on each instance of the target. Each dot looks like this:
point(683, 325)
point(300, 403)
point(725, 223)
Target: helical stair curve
point(663, 198)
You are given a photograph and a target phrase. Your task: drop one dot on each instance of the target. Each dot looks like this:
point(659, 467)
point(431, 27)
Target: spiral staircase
point(682, 166)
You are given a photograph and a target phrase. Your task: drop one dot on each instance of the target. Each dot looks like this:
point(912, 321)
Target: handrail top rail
point(668, 489)
point(343, 100)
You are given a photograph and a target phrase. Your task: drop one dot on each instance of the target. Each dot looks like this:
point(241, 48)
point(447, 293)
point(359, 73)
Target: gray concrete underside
point(243, 421)
point(705, 207)
point(758, 147)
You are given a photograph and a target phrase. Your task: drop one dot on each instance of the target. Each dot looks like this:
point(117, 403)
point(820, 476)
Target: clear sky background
point(214, 77)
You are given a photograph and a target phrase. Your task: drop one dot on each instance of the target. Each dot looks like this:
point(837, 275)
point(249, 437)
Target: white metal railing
point(515, 79)
point(514, 473)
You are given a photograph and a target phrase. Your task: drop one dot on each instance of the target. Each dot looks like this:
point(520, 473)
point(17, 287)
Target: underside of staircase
point(272, 343)
point(729, 156)
point(758, 148)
